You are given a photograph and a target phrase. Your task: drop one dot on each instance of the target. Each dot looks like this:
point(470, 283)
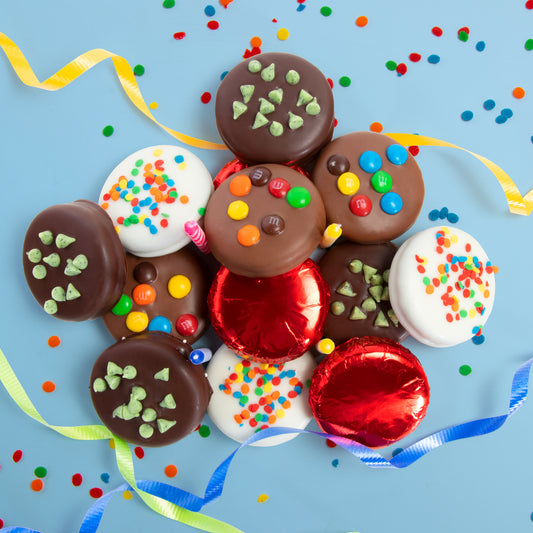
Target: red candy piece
point(360, 205)
point(371, 390)
point(186, 325)
point(270, 320)
point(278, 187)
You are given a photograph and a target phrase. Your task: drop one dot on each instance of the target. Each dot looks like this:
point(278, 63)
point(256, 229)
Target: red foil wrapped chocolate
point(371, 390)
point(270, 320)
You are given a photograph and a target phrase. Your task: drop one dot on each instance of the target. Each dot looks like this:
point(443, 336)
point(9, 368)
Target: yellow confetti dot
point(267, 387)
point(472, 313)
point(239, 367)
point(280, 413)
point(128, 197)
point(238, 210)
point(137, 321)
point(112, 443)
point(158, 152)
point(283, 34)
point(123, 183)
point(348, 183)
point(127, 495)
point(262, 498)
point(182, 166)
point(179, 286)
point(153, 105)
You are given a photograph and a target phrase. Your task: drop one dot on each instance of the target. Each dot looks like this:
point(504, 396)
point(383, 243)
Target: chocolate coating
point(363, 313)
point(286, 129)
point(76, 279)
point(154, 356)
point(342, 155)
point(280, 248)
point(156, 272)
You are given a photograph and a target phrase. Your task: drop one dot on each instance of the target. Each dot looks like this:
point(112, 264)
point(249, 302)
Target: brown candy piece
point(147, 392)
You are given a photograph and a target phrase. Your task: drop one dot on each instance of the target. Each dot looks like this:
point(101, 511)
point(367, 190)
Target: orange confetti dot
point(127, 495)
point(245, 414)
point(49, 386)
point(143, 294)
point(171, 470)
point(54, 341)
point(37, 485)
point(256, 42)
point(105, 205)
point(245, 389)
point(272, 419)
point(240, 185)
point(429, 289)
point(225, 3)
point(376, 127)
point(518, 92)
point(361, 21)
point(184, 199)
point(248, 235)
point(238, 419)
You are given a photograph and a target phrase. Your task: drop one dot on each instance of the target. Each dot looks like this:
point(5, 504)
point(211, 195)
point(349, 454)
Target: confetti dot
point(40, 471)
point(464, 370)
point(478, 339)
point(209, 10)
point(283, 34)
point(361, 21)
point(489, 104)
point(529, 45)
point(376, 127)
point(414, 150)
point(153, 105)
point(179, 35)
point(500, 119)
point(330, 443)
point(518, 92)
point(391, 65)
point(433, 59)
point(96, 493)
point(262, 498)
point(480, 46)
point(17, 456)
point(54, 341)
point(434, 215)
point(205, 98)
point(204, 431)
point(127, 495)
point(171, 470)
point(345, 81)
point(467, 115)
point(330, 81)
point(77, 479)
point(335, 463)
point(506, 112)
point(256, 42)
point(138, 70)
point(139, 452)
point(414, 57)
point(396, 451)
point(463, 36)
point(213, 25)
point(169, 3)
point(436, 31)
point(453, 218)
point(401, 69)
point(326, 11)
point(37, 485)
point(529, 4)
point(1, 523)
point(112, 444)
point(48, 386)
point(105, 477)
point(108, 131)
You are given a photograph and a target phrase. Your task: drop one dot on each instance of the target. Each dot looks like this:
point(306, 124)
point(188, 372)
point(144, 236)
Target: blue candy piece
point(391, 203)
point(434, 215)
point(160, 323)
point(397, 154)
point(370, 161)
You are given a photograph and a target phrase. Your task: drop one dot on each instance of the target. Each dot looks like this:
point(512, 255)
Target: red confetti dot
point(335, 122)
point(139, 452)
point(414, 57)
point(164, 223)
point(77, 480)
point(330, 81)
point(414, 150)
point(436, 31)
point(466, 29)
point(205, 98)
point(213, 25)
point(330, 443)
point(529, 4)
point(1, 523)
point(179, 35)
point(401, 69)
point(96, 493)
point(54, 341)
point(17, 456)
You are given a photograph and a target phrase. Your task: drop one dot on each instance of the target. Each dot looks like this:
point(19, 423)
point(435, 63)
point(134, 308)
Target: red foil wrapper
point(270, 320)
point(371, 390)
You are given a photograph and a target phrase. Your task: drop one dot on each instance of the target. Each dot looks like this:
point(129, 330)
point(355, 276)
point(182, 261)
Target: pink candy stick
point(197, 235)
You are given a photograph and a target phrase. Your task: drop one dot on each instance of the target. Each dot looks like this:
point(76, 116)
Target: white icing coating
point(151, 194)
point(442, 291)
point(231, 397)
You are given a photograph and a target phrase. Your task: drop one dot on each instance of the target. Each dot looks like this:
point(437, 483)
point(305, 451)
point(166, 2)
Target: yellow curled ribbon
point(123, 457)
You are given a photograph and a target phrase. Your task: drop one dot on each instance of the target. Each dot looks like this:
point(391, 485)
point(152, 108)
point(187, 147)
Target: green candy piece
point(162, 374)
point(238, 109)
point(369, 305)
point(368, 272)
point(71, 269)
point(276, 129)
point(123, 413)
point(81, 262)
point(265, 107)
point(386, 275)
point(99, 385)
point(393, 318)
point(381, 320)
point(168, 402)
point(355, 266)
point(295, 121)
point(135, 406)
point(62, 240)
point(123, 306)
point(303, 98)
point(376, 279)
point(312, 108)
point(356, 314)
point(268, 73)
point(146, 431)
point(276, 96)
point(346, 289)
point(376, 292)
point(337, 308)
point(138, 393)
point(259, 121)
point(50, 307)
point(47, 237)
point(39, 272)
point(72, 292)
point(129, 372)
point(247, 91)
point(254, 66)
point(53, 260)
point(298, 197)
point(164, 425)
point(292, 77)
point(112, 381)
point(385, 294)
point(34, 255)
point(58, 294)
point(149, 415)
point(113, 369)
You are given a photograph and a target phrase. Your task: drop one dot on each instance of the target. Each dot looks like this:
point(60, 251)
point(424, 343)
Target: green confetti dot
point(108, 131)
point(391, 65)
point(463, 36)
point(138, 70)
point(204, 431)
point(201, 211)
point(40, 471)
point(345, 81)
point(169, 3)
point(529, 44)
point(326, 11)
point(464, 370)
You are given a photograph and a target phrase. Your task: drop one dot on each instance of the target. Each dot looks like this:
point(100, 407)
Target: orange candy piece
point(248, 235)
point(143, 294)
point(240, 185)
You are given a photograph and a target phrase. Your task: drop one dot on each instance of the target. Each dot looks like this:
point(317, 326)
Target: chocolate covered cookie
point(275, 108)
point(371, 185)
point(264, 220)
point(147, 392)
point(73, 261)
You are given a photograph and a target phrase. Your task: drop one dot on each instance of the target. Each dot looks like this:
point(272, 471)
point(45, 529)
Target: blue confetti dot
point(532, 138)
point(160, 323)
point(300, 7)
point(443, 213)
point(453, 218)
point(179, 159)
point(153, 229)
point(480, 46)
point(335, 463)
point(105, 477)
point(397, 154)
point(489, 104)
point(506, 112)
point(223, 75)
point(397, 451)
point(433, 59)
point(467, 115)
point(500, 119)
point(370, 161)
point(478, 339)
point(434, 215)
point(136, 209)
point(209, 11)
point(391, 203)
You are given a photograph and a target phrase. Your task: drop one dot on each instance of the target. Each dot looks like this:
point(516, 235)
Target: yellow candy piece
point(348, 183)
point(137, 321)
point(238, 210)
point(179, 286)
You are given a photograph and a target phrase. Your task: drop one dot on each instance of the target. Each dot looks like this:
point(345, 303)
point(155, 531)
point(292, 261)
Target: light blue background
point(52, 151)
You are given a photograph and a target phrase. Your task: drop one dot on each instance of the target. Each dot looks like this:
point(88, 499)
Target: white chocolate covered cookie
point(151, 194)
point(441, 286)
